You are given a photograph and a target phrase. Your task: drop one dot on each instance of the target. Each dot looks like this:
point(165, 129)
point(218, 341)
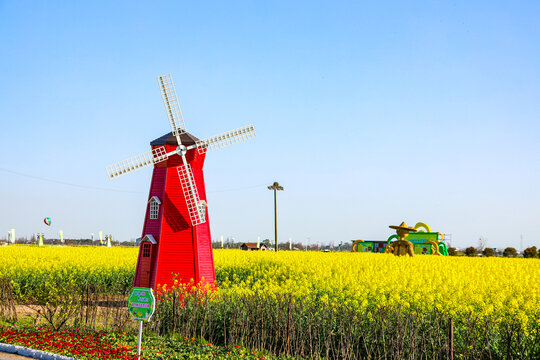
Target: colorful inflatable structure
point(369, 246)
point(416, 240)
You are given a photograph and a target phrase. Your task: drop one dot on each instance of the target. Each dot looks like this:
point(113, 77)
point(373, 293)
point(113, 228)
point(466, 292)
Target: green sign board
point(421, 237)
point(141, 304)
point(419, 242)
point(424, 249)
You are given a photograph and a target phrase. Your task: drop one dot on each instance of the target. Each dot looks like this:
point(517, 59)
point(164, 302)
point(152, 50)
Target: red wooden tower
point(176, 241)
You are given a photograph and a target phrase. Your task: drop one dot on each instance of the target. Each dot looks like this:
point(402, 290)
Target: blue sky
point(368, 114)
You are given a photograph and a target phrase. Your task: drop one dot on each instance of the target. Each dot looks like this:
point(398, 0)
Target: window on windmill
point(154, 210)
point(146, 250)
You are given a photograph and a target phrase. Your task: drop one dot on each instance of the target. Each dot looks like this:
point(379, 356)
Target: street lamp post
point(275, 186)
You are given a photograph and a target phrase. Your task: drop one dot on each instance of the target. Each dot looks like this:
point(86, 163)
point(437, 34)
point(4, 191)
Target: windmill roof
point(169, 139)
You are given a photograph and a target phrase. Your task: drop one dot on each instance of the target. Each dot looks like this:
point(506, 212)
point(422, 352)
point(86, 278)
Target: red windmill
point(176, 238)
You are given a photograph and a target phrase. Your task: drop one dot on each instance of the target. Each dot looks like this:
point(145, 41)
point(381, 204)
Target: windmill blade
point(225, 139)
point(196, 207)
point(137, 162)
point(171, 106)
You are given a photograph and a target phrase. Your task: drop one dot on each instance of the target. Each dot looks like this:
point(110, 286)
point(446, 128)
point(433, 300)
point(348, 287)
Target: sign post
point(141, 306)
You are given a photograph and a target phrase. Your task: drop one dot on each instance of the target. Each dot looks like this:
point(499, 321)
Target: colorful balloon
point(47, 221)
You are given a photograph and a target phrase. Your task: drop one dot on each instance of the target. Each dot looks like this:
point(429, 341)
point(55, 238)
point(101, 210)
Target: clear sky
point(368, 113)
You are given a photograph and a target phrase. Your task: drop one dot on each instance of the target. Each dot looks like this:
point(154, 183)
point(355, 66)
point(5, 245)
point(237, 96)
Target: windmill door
point(145, 264)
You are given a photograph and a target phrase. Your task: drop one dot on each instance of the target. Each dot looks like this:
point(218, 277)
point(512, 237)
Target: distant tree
point(287, 246)
point(488, 252)
point(283, 246)
point(314, 247)
point(471, 251)
point(266, 242)
point(509, 252)
point(530, 252)
point(216, 244)
point(452, 251)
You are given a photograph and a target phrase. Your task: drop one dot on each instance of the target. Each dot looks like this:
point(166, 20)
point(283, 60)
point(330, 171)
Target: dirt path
point(6, 356)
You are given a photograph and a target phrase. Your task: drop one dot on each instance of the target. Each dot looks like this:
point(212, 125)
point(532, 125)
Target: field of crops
point(458, 286)
point(326, 292)
point(37, 271)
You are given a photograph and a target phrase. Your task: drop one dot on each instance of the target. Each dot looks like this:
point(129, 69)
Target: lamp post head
point(275, 186)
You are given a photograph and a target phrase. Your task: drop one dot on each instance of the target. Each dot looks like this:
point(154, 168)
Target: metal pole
point(140, 341)
point(451, 338)
point(275, 217)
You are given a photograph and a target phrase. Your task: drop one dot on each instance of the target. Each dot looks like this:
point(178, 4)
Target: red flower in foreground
point(80, 343)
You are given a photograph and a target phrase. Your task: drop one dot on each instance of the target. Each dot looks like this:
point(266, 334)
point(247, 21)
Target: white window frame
point(154, 207)
point(154, 210)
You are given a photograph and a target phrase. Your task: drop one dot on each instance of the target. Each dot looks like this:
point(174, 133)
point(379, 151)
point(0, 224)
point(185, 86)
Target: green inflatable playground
point(418, 240)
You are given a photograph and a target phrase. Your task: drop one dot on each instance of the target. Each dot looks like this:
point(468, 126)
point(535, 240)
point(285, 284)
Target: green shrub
point(509, 252)
point(488, 252)
point(530, 252)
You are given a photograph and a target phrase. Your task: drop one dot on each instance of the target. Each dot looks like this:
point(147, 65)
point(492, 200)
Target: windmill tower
point(176, 242)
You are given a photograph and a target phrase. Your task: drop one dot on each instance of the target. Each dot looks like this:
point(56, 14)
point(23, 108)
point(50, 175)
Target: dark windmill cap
point(169, 139)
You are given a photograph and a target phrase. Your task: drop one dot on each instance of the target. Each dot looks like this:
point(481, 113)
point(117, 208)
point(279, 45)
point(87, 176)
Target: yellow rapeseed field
point(34, 270)
point(457, 286)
